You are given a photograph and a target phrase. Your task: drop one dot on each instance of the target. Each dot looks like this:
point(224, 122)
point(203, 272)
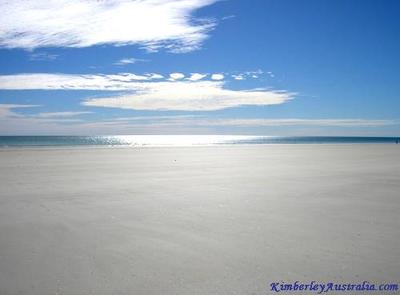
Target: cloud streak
point(44, 81)
point(190, 120)
point(144, 94)
point(189, 96)
point(6, 110)
point(127, 61)
point(65, 123)
point(299, 122)
point(60, 114)
point(42, 56)
point(152, 24)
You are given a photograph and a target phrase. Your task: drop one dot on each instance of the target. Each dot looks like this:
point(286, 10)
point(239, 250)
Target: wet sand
point(197, 220)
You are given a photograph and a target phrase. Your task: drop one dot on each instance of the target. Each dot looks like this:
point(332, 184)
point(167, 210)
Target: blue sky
point(271, 67)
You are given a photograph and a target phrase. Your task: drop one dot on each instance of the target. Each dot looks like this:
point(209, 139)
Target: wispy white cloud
point(202, 124)
point(299, 122)
point(191, 120)
point(153, 118)
point(189, 96)
point(176, 76)
point(146, 95)
point(254, 74)
point(228, 17)
point(7, 113)
point(217, 77)
point(122, 81)
point(13, 123)
point(127, 61)
point(62, 123)
point(238, 77)
point(60, 114)
point(249, 74)
point(196, 76)
point(6, 110)
point(42, 56)
point(153, 24)
point(155, 76)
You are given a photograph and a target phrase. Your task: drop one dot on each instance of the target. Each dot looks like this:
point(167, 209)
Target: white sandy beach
point(197, 220)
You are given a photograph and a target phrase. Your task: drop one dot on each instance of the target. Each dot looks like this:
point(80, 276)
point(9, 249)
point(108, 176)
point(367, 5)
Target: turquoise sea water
point(180, 140)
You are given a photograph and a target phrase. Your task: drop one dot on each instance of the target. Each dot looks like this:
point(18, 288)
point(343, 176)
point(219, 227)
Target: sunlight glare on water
point(179, 140)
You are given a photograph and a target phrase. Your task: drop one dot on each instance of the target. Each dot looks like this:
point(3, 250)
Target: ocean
point(181, 140)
